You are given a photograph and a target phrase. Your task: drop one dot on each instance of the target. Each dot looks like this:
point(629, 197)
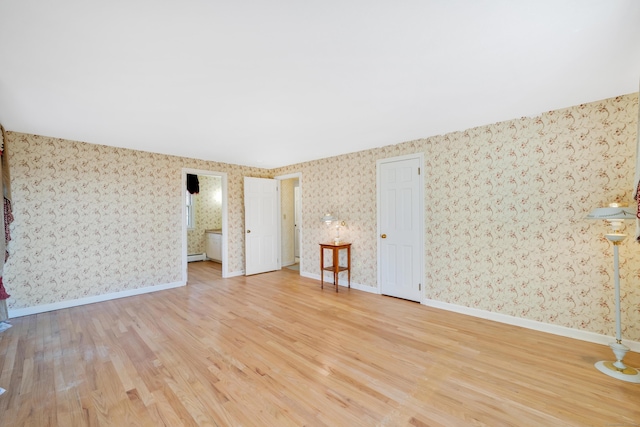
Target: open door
point(261, 225)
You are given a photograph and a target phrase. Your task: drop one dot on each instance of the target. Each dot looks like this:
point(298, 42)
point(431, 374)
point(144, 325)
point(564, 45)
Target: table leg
point(336, 266)
point(321, 268)
point(349, 264)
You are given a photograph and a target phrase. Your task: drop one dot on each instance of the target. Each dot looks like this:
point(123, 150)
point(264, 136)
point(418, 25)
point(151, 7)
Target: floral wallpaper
point(93, 220)
point(504, 216)
point(208, 212)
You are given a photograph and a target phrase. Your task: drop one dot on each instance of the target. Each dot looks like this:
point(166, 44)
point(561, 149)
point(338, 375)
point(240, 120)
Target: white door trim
point(225, 225)
point(420, 157)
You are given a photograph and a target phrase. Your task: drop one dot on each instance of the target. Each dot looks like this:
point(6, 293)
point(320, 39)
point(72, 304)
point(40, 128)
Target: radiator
point(196, 257)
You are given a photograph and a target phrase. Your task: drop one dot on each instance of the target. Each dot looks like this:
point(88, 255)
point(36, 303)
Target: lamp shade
point(328, 218)
point(612, 213)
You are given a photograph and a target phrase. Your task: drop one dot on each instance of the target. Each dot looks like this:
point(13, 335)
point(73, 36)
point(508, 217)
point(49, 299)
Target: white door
point(400, 227)
point(261, 225)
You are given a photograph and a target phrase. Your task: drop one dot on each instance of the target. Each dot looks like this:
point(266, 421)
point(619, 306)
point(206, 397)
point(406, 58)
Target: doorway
point(291, 221)
point(211, 228)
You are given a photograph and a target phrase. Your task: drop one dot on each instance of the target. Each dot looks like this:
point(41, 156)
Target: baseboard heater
point(196, 257)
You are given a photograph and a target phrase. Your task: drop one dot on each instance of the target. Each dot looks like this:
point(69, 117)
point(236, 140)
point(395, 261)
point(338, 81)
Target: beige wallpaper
point(208, 212)
point(505, 207)
point(93, 220)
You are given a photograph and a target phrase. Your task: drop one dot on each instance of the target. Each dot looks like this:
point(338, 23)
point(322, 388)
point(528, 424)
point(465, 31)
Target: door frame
point(281, 178)
point(297, 221)
point(225, 224)
point(420, 207)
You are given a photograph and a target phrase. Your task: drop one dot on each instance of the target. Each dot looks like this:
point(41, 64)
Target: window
point(190, 210)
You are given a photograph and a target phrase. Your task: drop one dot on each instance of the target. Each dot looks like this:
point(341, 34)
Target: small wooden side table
point(335, 268)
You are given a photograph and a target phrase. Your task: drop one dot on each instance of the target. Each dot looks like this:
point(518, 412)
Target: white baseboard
point(503, 318)
point(235, 273)
point(342, 282)
point(532, 324)
point(19, 312)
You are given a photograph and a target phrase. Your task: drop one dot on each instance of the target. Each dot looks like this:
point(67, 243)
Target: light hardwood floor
point(276, 350)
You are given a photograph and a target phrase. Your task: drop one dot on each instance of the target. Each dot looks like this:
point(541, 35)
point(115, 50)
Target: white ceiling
point(272, 83)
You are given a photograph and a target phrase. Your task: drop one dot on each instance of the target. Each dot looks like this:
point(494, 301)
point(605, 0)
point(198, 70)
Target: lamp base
point(618, 369)
point(627, 373)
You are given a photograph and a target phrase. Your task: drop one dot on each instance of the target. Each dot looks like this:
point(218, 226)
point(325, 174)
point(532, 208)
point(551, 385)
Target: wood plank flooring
point(276, 350)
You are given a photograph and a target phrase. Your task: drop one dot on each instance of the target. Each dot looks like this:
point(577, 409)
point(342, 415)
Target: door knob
point(248, 231)
point(384, 236)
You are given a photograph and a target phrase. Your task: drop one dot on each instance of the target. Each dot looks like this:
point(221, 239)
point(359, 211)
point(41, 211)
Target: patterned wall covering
point(505, 207)
point(93, 220)
point(208, 212)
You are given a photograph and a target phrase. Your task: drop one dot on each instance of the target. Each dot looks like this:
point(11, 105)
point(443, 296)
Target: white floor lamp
point(615, 214)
